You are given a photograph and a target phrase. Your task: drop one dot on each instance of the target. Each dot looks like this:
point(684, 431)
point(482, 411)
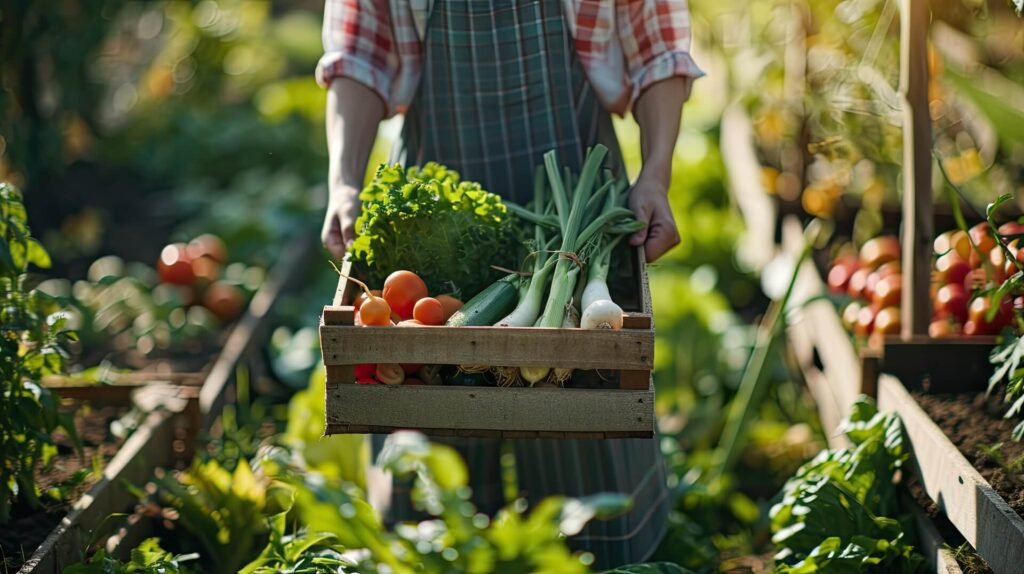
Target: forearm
point(354, 113)
point(658, 111)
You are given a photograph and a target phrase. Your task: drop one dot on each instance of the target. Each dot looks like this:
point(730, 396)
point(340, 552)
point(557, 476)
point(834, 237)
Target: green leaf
point(37, 255)
point(650, 568)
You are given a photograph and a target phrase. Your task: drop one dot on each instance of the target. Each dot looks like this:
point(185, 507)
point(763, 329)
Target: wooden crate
point(625, 356)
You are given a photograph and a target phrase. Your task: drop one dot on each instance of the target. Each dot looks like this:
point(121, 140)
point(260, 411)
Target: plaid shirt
point(624, 46)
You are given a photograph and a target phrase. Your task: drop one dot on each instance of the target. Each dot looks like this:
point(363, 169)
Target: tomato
point(390, 374)
point(858, 280)
point(402, 289)
point(205, 271)
point(865, 321)
point(839, 278)
point(174, 266)
point(983, 241)
point(225, 300)
point(951, 301)
point(365, 371)
point(977, 313)
point(997, 259)
point(208, 245)
point(952, 268)
point(977, 279)
point(428, 311)
point(850, 313)
point(450, 305)
point(888, 291)
point(375, 311)
point(879, 250)
point(942, 328)
point(943, 243)
point(413, 382)
point(971, 329)
point(358, 302)
point(960, 244)
point(887, 321)
point(1012, 228)
point(410, 368)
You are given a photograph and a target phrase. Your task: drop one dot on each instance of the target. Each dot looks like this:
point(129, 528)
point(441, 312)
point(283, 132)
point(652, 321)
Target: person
point(487, 87)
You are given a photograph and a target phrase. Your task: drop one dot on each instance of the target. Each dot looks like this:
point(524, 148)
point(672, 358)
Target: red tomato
point(428, 311)
point(952, 268)
point(951, 301)
point(413, 382)
point(858, 280)
point(865, 321)
point(839, 278)
point(887, 321)
point(1011, 228)
point(879, 250)
point(365, 371)
point(983, 241)
point(402, 289)
point(225, 300)
point(977, 313)
point(208, 245)
point(888, 291)
point(971, 329)
point(943, 243)
point(174, 266)
point(410, 368)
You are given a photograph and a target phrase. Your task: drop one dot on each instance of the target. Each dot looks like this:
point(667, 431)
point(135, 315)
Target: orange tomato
point(983, 241)
point(887, 321)
point(428, 311)
point(402, 289)
point(879, 250)
point(450, 305)
point(208, 245)
point(961, 244)
point(225, 300)
point(887, 291)
point(205, 271)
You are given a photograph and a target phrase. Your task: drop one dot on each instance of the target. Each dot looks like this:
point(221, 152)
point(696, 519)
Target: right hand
point(338, 231)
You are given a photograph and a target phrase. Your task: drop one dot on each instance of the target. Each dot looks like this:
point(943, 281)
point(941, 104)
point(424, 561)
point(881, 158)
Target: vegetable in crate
point(447, 231)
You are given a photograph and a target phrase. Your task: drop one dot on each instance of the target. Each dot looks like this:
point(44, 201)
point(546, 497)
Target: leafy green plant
point(223, 515)
point(426, 220)
point(1013, 466)
point(148, 558)
point(455, 537)
point(31, 334)
point(835, 514)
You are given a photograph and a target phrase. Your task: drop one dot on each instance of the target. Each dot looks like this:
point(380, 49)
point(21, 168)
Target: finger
point(663, 236)
point(333, 241)
point(643, 214)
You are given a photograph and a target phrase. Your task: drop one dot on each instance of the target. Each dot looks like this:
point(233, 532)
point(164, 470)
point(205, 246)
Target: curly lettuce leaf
point(426, 220)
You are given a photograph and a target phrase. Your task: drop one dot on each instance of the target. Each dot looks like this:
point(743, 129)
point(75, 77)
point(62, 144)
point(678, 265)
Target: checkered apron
point(501, 86)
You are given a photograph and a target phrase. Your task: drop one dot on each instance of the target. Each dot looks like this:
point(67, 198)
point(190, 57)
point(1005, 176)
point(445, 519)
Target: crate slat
point(356, 408)
point(986, 521)
point(630, 349)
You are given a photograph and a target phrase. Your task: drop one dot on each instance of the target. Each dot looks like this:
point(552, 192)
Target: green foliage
point(456, 538)
point(835, 513)
point(31, 334)
point(222, 515)
point(427, 221)
point(148, 558)
point(1007, 359)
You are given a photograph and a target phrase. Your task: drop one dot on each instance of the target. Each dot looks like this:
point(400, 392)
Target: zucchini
point(489, 306)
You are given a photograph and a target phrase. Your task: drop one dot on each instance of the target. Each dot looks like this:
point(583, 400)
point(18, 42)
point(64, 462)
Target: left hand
point(649, 201)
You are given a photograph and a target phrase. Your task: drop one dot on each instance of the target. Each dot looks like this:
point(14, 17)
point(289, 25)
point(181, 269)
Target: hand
point(340, 220)
point(649, 201)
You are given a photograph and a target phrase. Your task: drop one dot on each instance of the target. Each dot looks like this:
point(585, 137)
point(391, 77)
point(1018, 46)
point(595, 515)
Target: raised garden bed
point(175, 407)
point(622, 407)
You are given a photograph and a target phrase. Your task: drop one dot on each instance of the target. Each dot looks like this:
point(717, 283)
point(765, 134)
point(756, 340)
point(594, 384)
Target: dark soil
point(968, 560)
point(29, 526)
point(972, 422)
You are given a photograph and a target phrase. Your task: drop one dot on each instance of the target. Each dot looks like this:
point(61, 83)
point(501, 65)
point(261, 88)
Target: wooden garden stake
point(918, 220)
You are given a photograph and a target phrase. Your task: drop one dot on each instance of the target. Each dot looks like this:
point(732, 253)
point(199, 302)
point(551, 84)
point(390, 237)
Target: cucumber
point(489, 306)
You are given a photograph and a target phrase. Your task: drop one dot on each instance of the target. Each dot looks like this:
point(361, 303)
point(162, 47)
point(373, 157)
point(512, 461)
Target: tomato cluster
point(403, 302)
point(196, 268)
point(967, 267)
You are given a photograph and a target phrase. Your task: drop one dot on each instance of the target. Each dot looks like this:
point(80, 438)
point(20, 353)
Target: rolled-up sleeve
point(359, 44)
point(655, 39)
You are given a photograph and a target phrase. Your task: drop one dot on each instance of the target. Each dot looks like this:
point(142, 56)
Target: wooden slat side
point(489, 408)
point(986, 521)
point(338, 316)
point(630, 349)
point(478, 433)
point(830, 408)
point(931, 545)
point(149, 446)
point(757, 248)
point(341, 294)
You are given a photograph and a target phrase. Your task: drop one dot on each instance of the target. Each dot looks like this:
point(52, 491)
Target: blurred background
point(130, 126)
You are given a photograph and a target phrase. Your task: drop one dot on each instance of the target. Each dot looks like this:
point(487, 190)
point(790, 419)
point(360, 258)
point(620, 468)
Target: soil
point(968, 560)
point(29, 526)
point(973, 422)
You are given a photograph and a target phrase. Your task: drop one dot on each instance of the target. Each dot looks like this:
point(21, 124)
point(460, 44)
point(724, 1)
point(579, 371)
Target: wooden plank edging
point(984, 519)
